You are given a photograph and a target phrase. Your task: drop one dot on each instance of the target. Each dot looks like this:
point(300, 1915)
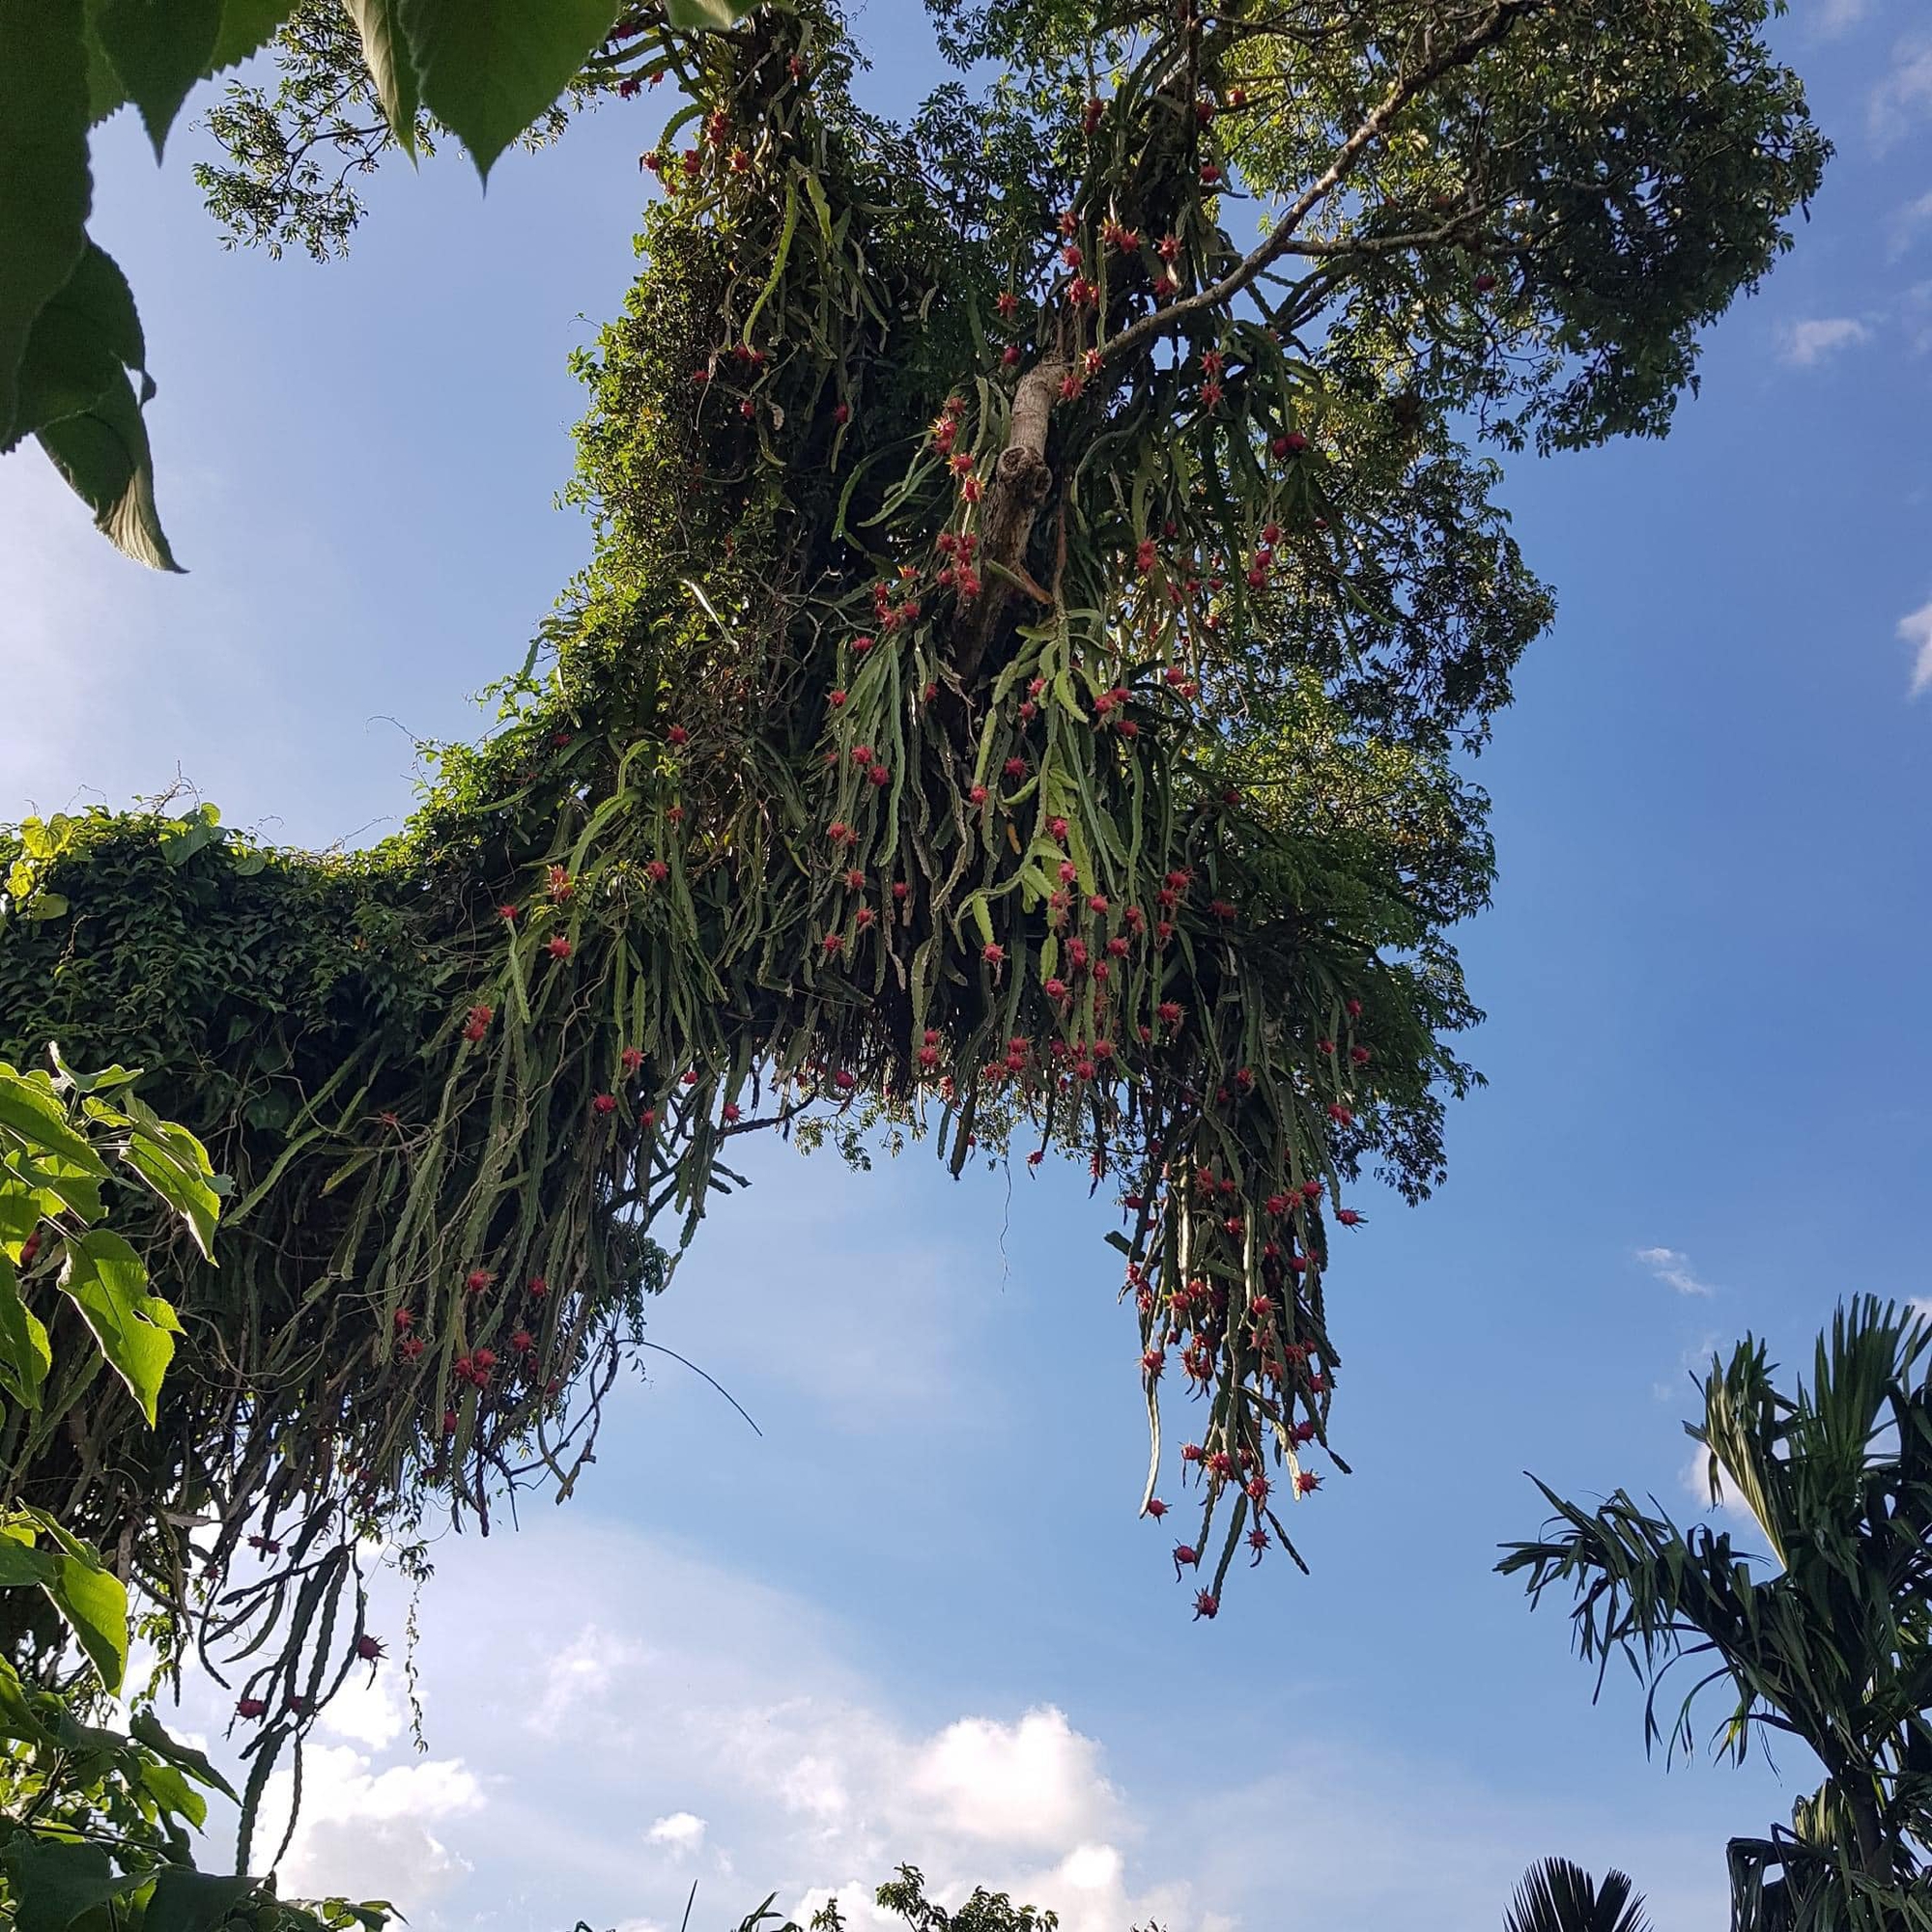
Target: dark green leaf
point(246, 25)
point(80, 343)
point(192, 1901)
point(147, 1729)
point(45, 189)
point(160, 48)
point(104, 455)
point(54, 1882)
point(136, 1331)
point(489, 68)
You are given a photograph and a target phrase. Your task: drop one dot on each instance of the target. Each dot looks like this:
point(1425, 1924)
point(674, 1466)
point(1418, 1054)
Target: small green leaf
point(25, 1356)
point(45, 189)
point(44, 905)
point(136, 1331)
point(103, 454)
point(489, 68)
point(192, 1901)
point(392, 66)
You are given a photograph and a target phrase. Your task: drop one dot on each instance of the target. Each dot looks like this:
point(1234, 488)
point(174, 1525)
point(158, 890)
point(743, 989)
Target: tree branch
point(1278, 241)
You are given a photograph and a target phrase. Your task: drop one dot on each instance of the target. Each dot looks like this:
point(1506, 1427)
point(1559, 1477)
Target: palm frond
point(1558, 1896)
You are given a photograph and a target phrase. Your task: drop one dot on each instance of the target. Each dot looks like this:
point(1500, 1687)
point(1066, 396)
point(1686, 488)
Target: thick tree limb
point(1495, 23)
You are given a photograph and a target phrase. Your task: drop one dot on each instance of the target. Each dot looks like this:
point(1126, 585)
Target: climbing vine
point(1022, 688)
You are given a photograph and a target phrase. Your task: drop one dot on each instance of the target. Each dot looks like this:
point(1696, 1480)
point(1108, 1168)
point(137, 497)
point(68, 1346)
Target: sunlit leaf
point(136, 1331)
point(392, 66)
point(104, 455)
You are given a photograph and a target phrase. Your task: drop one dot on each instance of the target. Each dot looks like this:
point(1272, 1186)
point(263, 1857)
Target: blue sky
point(918, 1618)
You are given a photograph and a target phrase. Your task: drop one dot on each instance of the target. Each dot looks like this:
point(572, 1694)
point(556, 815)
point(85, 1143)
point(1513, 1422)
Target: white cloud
point(1033, 1783)
point(740, 1722)
point(1674, 1269)
point(682, 1830)
point(1904, 94)
point(1908, 220)
point(368, 1831)
point(1698, 1473)
point(1915, 630)
point(1807, 343)
point(1835, 16)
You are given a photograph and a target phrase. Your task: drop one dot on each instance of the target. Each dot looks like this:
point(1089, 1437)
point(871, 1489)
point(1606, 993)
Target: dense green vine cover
point(1020, 686)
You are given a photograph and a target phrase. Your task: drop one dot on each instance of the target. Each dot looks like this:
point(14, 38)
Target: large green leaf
point(24, 1354)
point(192, 1901)
point(93, 1601)
point(489, 68)
point(392, 66)
point(160, 48)
point(81, 341)
point(175, 1165)
point(19, 1717)
point(55, 1882)
point(22, 1207)
point(103, 454)
point(136, 1331)
point(31, 1108)
point(23, 1564)
point(246, 25)
point(45, 189)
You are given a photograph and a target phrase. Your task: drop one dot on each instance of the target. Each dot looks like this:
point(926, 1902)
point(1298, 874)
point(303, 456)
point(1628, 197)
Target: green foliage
point(1832, 1646)
point(1011, 692)
point(491, 71)
point(92, 1818)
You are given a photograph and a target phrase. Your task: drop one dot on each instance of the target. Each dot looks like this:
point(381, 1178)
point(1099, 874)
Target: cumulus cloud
point(376, 1834)
point(1915, 630)
point(742, 1724)
point(1036, 1783)
point(682, 1830)
point(1807, 343)
point(1674, 1270)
